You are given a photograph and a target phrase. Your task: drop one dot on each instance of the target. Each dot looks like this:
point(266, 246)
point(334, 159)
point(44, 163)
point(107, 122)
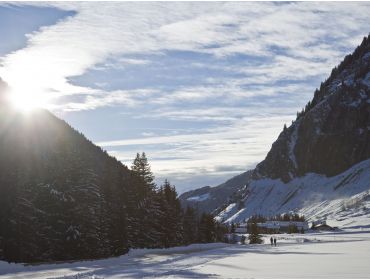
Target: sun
point(25, 102)
point(23, 95)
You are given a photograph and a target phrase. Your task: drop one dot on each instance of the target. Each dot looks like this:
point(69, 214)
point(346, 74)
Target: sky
point(204, 88)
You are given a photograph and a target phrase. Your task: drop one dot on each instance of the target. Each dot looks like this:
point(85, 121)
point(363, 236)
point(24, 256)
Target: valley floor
point(313, 255)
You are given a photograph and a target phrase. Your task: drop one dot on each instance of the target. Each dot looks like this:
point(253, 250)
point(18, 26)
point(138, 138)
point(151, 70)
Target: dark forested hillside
point(60, 195)
point(63, 198)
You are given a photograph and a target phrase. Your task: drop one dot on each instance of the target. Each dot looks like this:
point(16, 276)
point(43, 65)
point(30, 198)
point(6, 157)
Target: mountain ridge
point(329, 136)
point(327, 126)
point(198, 198)
point(63, 198)
point(55, 191)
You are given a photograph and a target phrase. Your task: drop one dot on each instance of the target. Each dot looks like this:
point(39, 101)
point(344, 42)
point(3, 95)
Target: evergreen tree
point(143, 206)
point(232, 228)
point(142, 211)
point(172, 216)
point(292, 229)
point(207, 229)
point(221, 231)
point(142, 168)
point(190, 227)
point(254, 236)
point(242, 239)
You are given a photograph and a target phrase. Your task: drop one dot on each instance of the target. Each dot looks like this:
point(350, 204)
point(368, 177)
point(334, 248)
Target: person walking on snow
point(272, 241)
point(275, 241)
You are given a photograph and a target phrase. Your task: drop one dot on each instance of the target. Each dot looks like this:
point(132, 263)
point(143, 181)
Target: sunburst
point(25, 101)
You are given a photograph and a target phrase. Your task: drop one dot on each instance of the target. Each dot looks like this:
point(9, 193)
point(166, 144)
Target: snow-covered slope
point(208, 199)
point(319, 165)
point(344, 198)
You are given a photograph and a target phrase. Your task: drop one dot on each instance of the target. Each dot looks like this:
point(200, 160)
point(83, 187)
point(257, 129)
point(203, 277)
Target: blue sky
point(203, 88)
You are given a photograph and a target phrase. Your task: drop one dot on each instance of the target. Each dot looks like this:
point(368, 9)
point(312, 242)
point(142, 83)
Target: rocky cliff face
point(332, 133)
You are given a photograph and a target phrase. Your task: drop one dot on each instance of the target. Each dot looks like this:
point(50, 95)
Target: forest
point(63, 198)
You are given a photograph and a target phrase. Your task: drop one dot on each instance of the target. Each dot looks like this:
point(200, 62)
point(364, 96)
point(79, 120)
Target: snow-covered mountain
point(208, 199)
point(316, 196)
point(319, 166)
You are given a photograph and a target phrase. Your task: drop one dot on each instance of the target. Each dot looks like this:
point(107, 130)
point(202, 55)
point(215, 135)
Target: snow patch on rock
point(292, 143)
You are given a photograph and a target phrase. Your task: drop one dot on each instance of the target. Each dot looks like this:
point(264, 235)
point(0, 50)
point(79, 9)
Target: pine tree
point(254, 236)
point(144, 207)
point(207, 229)
point(292, 229)
point(232, 228)
point(190, 226)
point(142, 168)
point(138, 212)
point(221, 231)
point(242, 240)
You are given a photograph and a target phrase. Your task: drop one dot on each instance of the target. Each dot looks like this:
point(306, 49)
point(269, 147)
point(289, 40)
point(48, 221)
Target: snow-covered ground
point(343, 254)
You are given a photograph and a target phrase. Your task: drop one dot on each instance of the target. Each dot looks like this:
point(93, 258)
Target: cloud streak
point(98, 32)
point(230, 73)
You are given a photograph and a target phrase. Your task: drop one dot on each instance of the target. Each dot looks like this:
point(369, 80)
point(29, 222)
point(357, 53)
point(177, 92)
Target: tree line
point(161, 222)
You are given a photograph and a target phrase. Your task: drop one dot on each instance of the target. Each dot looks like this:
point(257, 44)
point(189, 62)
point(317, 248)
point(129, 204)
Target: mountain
point(61, 197)
point(343, 199)
point(316, 153)
point(207, 199)
point(332, 133)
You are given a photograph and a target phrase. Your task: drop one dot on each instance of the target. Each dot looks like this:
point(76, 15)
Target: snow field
point(343, 254)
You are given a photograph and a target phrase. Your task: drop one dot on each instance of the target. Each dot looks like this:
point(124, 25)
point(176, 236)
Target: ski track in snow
point(343, 254)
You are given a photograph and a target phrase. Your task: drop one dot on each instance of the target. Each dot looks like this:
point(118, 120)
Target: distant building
point(322, 226)
point(274, 226)
point(283, 226)
point(241, 230)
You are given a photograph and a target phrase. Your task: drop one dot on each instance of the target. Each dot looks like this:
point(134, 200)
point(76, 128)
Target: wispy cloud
point(101, 31)
point(234, 147)
point(230, 73)
point(127, 98)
